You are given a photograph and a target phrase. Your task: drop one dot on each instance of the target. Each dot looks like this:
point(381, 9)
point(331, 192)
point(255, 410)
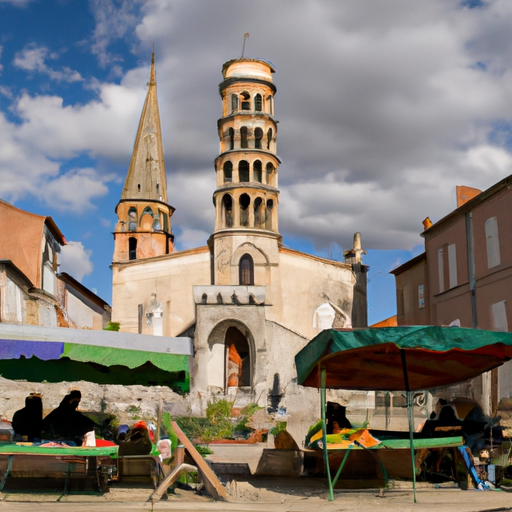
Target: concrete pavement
point(133, 500)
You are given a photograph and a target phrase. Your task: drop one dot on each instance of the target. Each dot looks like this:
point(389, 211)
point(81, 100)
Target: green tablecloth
point(84, 451)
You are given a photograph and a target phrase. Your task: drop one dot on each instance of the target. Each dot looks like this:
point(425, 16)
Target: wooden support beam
point(169, 480)
point(211, 482)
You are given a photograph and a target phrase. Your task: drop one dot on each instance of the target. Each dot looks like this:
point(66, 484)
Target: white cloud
point(75, 260)
point(33, 58)
point(115, 19)
point(383, 107)
point(74, 190)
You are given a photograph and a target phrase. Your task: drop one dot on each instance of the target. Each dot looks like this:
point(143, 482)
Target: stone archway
point(226, 334)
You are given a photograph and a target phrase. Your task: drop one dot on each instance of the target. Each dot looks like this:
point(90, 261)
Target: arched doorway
point(237, 359)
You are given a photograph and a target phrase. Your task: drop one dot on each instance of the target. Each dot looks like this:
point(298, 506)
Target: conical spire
point(146, 178)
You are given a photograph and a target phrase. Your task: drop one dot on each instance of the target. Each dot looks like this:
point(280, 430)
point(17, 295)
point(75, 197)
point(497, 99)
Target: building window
point(246, 104)
point(132, 248)
point(452, 266)
point(258, 135)
point(258, 103)
point(268, 215)
point(440, 268)
point(447, 259)
point(132, 219)
point(245, 201)
point(270, 170)
point(269, 138)
point(270, 105)
point(243, 137)
point(258, 202)
point(256, 171)
point(499, 316)
point(492, 242)
point(234, 103)
point(246, 270)
point(243, 171)
point(231, 138)
point(228, 172)
point(227, 206)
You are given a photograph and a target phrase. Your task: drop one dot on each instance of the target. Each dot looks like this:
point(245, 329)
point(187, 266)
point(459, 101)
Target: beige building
point(249, 302)
point(465, 277)
point(32, 291)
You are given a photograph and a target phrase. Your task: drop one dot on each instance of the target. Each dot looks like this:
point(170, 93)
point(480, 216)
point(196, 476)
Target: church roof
point(146, 178)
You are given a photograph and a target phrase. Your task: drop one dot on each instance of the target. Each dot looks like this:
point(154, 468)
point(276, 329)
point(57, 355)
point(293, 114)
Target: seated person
point(336, 418)
point(27, 421)
point(137, 441)
point(65, 422)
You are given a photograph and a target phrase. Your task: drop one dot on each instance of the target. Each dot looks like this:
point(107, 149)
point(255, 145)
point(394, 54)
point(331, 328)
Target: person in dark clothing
point(66, 422)
point(28, 421)
point(336, 418)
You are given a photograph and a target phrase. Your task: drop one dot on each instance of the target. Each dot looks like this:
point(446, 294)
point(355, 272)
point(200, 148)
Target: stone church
point(249, 303)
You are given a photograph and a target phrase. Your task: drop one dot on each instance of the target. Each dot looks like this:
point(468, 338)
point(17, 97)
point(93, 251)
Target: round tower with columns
point(246, 198)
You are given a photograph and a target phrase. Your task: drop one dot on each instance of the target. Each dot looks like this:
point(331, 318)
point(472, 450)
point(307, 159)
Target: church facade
point(249, 303)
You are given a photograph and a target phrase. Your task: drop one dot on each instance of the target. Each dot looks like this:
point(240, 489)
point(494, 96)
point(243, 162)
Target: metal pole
point(324, 434)
point(411, 420)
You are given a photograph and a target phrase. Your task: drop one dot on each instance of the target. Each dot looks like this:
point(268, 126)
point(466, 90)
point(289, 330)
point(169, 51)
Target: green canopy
point(373, 358)
point(397, 358)
point(39, 354)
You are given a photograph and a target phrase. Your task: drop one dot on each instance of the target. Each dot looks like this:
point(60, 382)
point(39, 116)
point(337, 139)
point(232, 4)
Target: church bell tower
point(246, 198)
point(144, 216)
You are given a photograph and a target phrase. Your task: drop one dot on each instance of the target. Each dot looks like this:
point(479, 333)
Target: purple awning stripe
point(44, 350)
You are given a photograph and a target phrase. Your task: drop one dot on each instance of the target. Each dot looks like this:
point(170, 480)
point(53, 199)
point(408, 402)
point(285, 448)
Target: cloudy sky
point(384, 107)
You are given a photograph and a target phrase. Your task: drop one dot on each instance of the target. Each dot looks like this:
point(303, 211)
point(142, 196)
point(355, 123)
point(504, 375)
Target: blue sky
point(384, 107)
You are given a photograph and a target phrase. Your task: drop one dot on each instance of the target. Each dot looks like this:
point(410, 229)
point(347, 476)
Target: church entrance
point(237, 359)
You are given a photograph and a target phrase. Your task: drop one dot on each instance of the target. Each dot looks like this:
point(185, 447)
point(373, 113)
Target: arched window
point(157, 225)
point(243, 137)
point(245, 201)
point(258, 135)
point(227, 207)
point(132, 219)
point(147, 211)
point(256, 171)
point(258, 202)
point(132, 248)
point(269, 137)
point(234, 103)
point(246, 104)
point(258, 103)
point(243, 171)
point(270, 105)
point(246, 270)
point(268, 216)
point(228, 171)
point(270, 170)
point(231, 138)
point(493, 242)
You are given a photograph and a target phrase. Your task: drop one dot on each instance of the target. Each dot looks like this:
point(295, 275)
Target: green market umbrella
point(406, 358)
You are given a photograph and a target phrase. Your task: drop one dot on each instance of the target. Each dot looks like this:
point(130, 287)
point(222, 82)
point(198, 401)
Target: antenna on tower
point(246, 36)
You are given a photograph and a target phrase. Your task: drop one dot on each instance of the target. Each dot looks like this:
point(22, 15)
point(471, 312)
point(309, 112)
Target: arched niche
point(235, 336)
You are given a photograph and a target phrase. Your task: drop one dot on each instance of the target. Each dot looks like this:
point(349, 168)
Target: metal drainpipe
point(471, 267)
